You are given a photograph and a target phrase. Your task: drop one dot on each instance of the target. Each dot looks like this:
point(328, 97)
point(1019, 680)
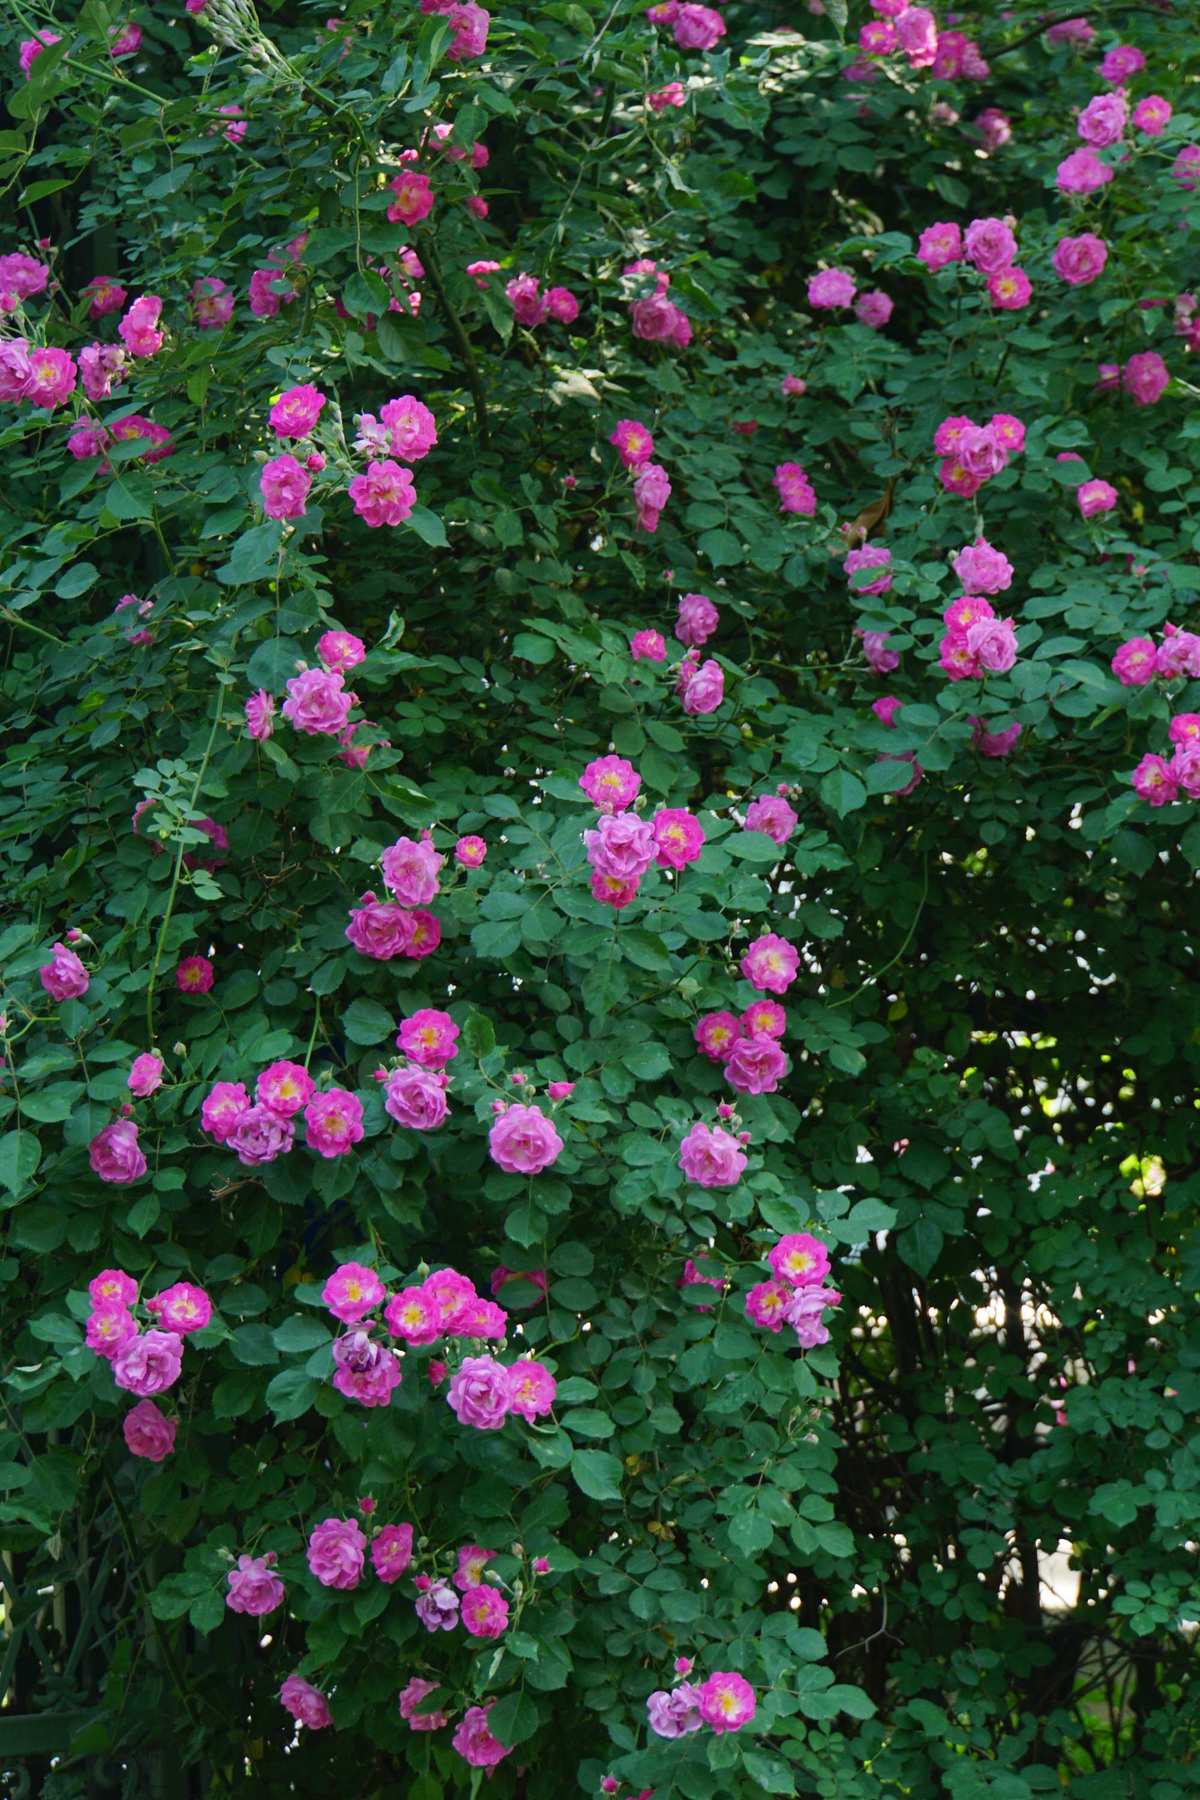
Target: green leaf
point(291, 1393)
point(750, 1532)
point(842, 792)
point(76, 580)
point(254, 557)
point(772, 1776)
point(531, 647)
point(597, 1473)
point(366, 1022)
point(588, 1421)
point(920, 1245)
point(428, 527)
point(514, 1718)
point(478, 1036)
point(647, 1061)
point(20, 1154)
point(300, 1333)
point(274, 663)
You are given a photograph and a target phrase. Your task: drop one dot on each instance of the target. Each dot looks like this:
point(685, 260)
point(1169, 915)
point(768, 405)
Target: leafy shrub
point(865, 937)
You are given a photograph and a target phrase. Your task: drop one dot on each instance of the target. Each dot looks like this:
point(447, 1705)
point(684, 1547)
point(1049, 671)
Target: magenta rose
point(149, 1364)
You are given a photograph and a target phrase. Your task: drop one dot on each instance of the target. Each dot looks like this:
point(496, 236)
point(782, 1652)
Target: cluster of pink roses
point(748, 1047)
point(700, 685)
point(1159, 781)
point(651, 484)
point(382, 929)
point(725, 1702)
point(482, 1391)
point(415, 1091)
point(144, 1362)
point(531, 307)
point(623, 846)
point(795, 490)
point(469, 24)
point(831, 289)
point(258, 1131)
point(318, 702)
point(694, 27)
point(976, 642)
point(971, 454)
point(655, 318)
point(1145, 377)
point(1139, 660)
point(796, 1295)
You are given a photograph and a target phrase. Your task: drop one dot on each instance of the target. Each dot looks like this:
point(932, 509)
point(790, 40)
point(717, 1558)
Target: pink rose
point(410, 1701)
point(696, 620)
point(1082, 173)
point(391, 1551)
point(772, 815)
point(829, 289)
point(710, 1157)
point(283, 1088)
point(296, 411)
point(982, 569)
point(253, 1586)
point(64, 976)
point(410, 870)
point(479, 1393)
point(726, 1701)
point(473, 1741)
point(317, 703)
point(284, 487)
point(993, 644)
point(148, 1433)
point(145, 1075)
point(336, 1550)
point(412, 198)
point(114, 1154)
point(704, 690)
point(771, 964)
point(352, 1291)
point(522, 1141)
point(1154, 781)
point(333, 1122)
point(756, 1065)
point(611, 783)
point(1144, 377)
point(307, 1704)
point(380, 929)
point(181, 1308)
point(1102, 121)
point(259, 1135)
point(940, 245)
point(148, 1364)
point(416, 1098)
point(411, 426)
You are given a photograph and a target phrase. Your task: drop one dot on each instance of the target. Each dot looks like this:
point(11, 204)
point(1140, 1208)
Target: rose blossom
point(522, 1141)
point(335, 1553)
point(830, 288)
point(410, 1699)
point(284, 487)
point(1082, 173)
point(114, 1154)
point(137, 329)
point(990, 245)
point(333, 1122)
point(259, 1135)
point(710, 1157)
point(1152, 115)
point(1144, 377)
point(148, 1433)
point(391, 1551)
point(181, 1308)
point(479, 1393)
point(416, 1098)
point(704, 690)
point(674, 1714)
point(770, 964)
point(145, 1075)
point(611, 783)
point(678, 837)
point(352, 1291)
point(283, 1088)
point(1103, 120)
point(380, 929)
point(484, 1612)
point(307, 1704)
point(410, 870)
point(799, 1259)
point(795, 490)
point(108, 1327)
point(473, 1741)
point(726, 1701)
point(148, 1364)
point(384, 495)
point(648, 646)
point(531, 1388)
point(254, 1587)
point(756, 1065)
point(696, 620)
point(940, 245)
point(1095, 497)
point(1154, 781)
point(1119, 63)
point(64, 976)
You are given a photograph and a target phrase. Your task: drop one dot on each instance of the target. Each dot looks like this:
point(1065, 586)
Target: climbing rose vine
point(601, 659)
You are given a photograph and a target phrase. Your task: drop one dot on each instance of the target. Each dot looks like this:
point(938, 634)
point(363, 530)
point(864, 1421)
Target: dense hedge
point(668, 848)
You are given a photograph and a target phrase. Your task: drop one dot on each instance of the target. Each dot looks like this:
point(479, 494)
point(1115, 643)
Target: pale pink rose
point(522, 1141)
point(710, 1157)
point(307, 1704)
point(148, 1433)
point(254, 1587)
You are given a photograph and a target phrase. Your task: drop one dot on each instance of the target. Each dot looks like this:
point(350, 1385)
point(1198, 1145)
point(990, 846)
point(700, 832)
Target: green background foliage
point(990, 1114)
